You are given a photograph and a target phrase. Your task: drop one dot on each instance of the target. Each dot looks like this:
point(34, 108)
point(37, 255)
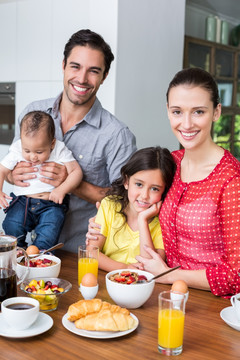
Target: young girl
point(128, 216)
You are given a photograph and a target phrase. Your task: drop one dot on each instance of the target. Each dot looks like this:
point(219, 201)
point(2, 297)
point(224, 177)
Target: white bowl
point(49, 271)
point(130, 296)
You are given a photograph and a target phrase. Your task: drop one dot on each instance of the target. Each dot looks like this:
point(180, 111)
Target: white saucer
point(43, 323)
point(229, 316)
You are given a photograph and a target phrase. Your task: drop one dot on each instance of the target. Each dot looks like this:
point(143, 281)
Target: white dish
point(43, 323)
point(228, 315)
point(69, 325)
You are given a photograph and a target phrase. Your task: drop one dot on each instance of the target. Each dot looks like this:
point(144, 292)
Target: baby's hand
point(57, 196)
point(3, 202)
point(149, 213)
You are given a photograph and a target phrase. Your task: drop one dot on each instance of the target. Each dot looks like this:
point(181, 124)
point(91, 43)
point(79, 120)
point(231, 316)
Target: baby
point(39, 206)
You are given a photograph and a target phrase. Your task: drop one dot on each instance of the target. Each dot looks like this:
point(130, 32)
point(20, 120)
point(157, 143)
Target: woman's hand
point(155, 264)
point(93, 228)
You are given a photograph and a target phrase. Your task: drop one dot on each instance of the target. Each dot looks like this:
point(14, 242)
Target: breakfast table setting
point(211, 330)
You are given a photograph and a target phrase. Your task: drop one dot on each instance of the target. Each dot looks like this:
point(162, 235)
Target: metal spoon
point(159, 275)
point(57, 246)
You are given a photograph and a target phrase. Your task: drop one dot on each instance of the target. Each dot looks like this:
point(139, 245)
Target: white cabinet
point(8, 43)
point(33, 40)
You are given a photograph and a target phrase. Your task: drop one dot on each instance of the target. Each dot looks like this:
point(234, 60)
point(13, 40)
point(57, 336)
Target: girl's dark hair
point(94, 41)
point(150, 158)
point(34, 121)
point(197, 77)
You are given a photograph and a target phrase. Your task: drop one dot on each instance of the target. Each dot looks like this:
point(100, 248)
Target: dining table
point(206, 335)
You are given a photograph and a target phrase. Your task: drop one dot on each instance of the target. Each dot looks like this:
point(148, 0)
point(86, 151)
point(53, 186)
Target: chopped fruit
point(126, 273)
point(33, 283)
point(38, 262)
point(142, 277)
point(45, 293)
point(120, 279)
point(128, 277)
point(41, 283)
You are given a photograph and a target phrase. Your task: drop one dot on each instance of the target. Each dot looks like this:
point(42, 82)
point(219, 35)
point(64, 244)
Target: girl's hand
point(149, 213)
point(3, 202)
point(155, 264)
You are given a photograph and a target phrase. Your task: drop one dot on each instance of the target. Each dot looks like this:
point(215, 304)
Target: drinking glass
point(87, 261)
point(171, 317)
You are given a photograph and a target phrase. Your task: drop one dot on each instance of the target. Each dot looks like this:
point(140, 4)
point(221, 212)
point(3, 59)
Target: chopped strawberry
point(38, 262)
point(130, 280)
point(125, 273)
point(53, 286)
point(142, 277)
point(120, 279)
point(46, 261)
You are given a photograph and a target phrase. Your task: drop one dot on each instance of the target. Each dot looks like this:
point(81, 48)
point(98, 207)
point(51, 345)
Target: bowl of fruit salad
point(129, 287)
point(46, 290)
point(42, 266)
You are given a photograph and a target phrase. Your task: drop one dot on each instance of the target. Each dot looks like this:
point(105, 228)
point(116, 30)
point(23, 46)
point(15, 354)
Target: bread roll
point(106, 320)
point(83, 308)
point(86, 307)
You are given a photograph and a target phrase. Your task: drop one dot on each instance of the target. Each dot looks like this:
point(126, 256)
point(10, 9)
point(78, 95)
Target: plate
point(69, 325)
point(229, 316)
point(43, 323)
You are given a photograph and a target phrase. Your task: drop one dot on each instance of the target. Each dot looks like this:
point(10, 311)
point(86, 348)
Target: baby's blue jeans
point(45, 217)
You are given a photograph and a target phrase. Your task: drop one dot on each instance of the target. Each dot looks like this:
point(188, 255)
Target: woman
point(200, 217)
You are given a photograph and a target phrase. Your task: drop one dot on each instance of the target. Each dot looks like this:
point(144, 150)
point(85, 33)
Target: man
point(99, 142)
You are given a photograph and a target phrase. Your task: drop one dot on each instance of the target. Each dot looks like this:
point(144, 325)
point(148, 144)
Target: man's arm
point(56, 174)
point(90, 192)
point(21, 173)
point(73, 179)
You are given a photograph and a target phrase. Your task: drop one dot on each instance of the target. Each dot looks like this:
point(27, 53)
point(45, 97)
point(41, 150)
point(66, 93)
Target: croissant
point(86, 307)
point(106, 320)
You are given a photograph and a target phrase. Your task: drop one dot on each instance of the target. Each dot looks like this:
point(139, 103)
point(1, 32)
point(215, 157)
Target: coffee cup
point(20, 312)
point(235, 301)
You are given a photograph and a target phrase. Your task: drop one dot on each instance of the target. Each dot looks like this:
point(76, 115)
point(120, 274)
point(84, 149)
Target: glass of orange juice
point(171, 316)
point(87, 261)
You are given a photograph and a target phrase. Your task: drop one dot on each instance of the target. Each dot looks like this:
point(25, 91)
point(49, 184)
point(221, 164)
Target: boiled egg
point(89, 280)
point(32, 250)
point(180, 286)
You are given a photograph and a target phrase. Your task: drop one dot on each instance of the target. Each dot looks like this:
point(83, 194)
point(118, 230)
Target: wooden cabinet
point(223, 62)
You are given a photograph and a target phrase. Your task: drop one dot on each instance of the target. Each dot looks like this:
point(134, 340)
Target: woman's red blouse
point(201, 224)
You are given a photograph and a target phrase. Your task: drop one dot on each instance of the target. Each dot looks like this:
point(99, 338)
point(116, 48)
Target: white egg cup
point(88, 292)
point(179, 297)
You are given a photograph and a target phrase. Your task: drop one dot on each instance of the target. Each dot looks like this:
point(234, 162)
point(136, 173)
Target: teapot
point(9, 278)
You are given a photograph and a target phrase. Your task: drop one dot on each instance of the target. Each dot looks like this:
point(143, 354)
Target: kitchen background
point(146, 37)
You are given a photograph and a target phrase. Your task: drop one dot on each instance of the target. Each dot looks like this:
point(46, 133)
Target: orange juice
point(87, 265)
point(170, 328)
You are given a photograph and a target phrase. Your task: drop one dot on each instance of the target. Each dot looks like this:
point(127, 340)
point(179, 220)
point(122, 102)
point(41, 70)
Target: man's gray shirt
point(101, 144)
